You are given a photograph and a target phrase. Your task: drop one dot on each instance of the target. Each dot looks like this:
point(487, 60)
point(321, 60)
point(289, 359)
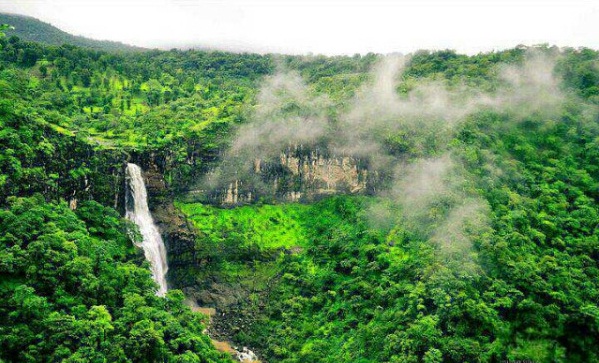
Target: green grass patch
point(267, 226)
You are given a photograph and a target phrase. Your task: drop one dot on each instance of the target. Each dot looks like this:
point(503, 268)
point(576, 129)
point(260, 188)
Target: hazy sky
point(325, 26)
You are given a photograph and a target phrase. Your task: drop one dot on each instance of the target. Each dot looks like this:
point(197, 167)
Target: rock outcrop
point(298, 174)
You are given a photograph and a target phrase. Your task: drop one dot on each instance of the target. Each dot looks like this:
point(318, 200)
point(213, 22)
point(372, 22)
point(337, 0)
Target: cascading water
point(137, 211)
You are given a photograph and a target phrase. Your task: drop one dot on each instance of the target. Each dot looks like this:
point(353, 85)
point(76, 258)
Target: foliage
point(177, 104)
point(264, 226)
point(356, 293)
point(349, 291)
point(327, 284)
point(70, 292)
point(40, 157)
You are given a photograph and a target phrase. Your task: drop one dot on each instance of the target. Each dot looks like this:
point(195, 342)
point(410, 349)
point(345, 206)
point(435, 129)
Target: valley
point(209, 206)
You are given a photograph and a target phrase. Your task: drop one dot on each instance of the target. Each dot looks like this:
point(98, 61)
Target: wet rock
point(246, 355)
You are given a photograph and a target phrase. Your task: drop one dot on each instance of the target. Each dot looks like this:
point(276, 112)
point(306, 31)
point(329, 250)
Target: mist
point(425, 187)
point(286, 114)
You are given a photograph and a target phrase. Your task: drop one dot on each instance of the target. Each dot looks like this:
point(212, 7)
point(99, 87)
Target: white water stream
point(137, 211)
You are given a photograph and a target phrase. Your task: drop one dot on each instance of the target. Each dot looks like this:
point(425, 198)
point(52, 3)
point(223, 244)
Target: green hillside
point(34, 30)
point(479, 241)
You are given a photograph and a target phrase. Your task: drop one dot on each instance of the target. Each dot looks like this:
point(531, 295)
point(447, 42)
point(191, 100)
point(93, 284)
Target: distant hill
point(32, 29)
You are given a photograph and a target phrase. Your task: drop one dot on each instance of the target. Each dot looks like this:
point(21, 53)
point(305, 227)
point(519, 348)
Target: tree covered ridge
point(41, 157)
point(34, 30)
point(180, 104)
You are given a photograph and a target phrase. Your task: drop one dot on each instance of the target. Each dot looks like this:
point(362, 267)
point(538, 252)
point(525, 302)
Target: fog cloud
point(286, 114)
point(425, 189)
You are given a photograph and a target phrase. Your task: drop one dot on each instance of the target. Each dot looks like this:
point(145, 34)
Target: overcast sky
point(325, 26)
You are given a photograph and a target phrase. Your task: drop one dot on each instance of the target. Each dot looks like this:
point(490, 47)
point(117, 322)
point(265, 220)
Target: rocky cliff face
point(298, 174)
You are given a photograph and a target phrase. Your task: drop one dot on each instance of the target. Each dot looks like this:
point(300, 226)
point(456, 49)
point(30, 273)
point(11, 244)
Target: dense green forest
point(349, 278)
point(335, 282)
point(74, 289)
point(353, 293)
point(72, 286)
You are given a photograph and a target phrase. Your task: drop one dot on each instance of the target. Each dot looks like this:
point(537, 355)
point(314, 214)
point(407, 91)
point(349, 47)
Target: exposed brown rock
point(299, 175)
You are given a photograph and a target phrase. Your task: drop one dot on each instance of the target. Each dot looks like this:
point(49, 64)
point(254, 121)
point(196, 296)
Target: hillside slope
point(483, 248)
point(73, 288)
point(34, 30)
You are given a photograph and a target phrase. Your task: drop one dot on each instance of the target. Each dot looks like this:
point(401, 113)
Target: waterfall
point(137, 211)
